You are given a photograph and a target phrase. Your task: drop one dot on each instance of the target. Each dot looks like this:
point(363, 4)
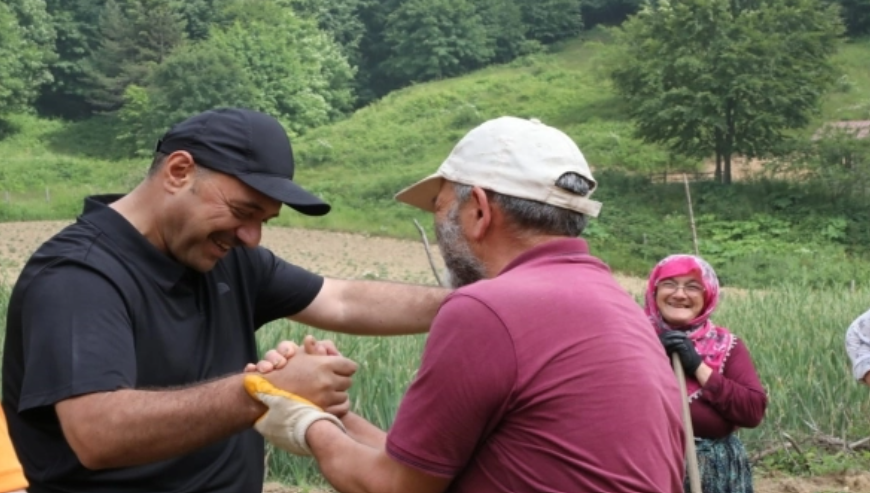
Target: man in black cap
point(128, 332)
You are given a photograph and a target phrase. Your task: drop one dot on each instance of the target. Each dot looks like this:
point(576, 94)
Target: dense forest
point(309, 62)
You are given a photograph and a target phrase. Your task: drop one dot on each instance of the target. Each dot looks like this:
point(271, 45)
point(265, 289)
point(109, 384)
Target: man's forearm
point(394, 308)
point(354, 467)
point(373, 307)
point(132, 427)
point(364, 432)
point(349, 466)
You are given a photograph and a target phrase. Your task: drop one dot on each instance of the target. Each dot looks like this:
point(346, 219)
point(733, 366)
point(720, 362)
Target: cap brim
point(423, 193)
point(284, 190)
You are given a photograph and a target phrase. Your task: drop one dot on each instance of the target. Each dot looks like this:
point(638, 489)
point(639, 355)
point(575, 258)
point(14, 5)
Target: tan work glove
point(288, 417)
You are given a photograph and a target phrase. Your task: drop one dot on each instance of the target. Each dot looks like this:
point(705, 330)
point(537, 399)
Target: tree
point(372, 80)
point(194, 78)
point(26, 42)
point(29, 38)
point(856, 16)
point(75, 23)
point(199, 77)
point(159, 27)
point(339, 19)
point(136, 36)
point(414, 40)
point(13, 86)
point(300, 72)
point(261, 56)
point(199, 16)
point(725, 77)
point(503, 20)
point(552, 20)
point(607, 12)
point(107, 67)
point(433, 39)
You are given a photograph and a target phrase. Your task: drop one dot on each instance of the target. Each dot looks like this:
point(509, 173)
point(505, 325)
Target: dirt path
point(835, 483)
point(851, 482)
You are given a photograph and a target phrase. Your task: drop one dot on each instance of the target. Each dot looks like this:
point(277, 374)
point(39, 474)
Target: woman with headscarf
point(725, 393)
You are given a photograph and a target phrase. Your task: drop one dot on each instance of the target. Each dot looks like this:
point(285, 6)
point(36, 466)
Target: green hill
point(362, 160)
point(359, 163)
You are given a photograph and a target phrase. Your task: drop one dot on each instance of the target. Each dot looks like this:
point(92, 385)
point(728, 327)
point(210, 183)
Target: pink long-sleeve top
point(730, 400)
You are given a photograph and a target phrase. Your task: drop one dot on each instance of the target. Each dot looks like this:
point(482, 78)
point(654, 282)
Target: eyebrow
point(251, 205)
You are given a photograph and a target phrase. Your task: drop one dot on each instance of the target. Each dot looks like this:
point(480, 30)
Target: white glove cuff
point(301, 428)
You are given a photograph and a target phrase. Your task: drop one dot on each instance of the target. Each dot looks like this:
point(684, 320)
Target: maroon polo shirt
point(547, 379)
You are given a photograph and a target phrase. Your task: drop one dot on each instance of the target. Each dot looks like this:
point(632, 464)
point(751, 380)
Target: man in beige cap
point(540, 373)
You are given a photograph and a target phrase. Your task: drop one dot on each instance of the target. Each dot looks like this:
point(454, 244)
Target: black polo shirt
point(99, 308)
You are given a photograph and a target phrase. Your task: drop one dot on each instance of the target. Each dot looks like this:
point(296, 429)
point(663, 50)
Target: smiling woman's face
point(680, 299)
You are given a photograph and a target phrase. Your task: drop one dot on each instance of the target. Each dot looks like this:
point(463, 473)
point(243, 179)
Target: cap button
point(534, 120)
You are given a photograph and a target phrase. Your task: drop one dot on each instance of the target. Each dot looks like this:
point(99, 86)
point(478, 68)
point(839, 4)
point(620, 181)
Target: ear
point(481, 214)
point(178, 172)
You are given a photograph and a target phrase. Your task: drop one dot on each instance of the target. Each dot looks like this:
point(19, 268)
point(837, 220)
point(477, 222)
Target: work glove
point(676, 341)
point(288, 417)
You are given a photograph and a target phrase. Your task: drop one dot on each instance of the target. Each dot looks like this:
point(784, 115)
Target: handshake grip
point(285, 422)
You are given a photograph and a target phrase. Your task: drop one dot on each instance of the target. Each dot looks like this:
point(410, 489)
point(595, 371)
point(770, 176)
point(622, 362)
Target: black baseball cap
point(248, 145)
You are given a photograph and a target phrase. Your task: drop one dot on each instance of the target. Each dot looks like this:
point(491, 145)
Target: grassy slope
point(71, 160)
point(360, 162)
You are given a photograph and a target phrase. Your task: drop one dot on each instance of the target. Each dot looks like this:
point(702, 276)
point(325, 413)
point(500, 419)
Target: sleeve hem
point(861, 367)
point(53, 396)
point(400, 455)
point(714, 385)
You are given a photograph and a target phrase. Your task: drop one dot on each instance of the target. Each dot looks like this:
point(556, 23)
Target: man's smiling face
point(218, 212)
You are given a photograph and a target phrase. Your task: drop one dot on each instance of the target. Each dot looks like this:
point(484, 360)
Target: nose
point(250, 234)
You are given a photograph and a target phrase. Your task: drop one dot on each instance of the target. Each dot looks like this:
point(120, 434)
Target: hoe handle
point(691, 455)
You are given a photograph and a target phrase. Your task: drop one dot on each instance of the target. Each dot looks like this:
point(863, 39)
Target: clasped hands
point(297, 384)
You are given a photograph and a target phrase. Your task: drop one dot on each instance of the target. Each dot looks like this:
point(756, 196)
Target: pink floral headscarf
point(712, 342)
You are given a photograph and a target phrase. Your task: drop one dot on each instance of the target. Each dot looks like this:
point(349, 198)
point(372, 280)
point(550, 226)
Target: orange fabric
point(11, 475)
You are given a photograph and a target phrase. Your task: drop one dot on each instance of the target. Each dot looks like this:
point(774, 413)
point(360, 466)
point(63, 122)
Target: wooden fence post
point(691, 215)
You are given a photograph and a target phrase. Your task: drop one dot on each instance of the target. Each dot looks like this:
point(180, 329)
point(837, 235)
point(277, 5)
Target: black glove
point(676, 341)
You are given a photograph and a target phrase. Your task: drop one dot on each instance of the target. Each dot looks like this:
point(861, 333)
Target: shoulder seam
point(507, 333)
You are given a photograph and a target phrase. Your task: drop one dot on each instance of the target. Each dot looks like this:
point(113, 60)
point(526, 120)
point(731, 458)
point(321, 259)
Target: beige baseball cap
point(512, 156)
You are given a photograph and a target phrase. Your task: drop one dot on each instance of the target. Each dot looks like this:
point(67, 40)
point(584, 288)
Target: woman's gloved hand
point(676, 341)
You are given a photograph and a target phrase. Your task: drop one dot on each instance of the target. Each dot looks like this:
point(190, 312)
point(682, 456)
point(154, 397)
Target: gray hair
point(538, 217)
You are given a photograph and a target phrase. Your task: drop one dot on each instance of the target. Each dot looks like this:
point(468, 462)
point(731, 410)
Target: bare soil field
point(328, 253)
point(854, 482)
